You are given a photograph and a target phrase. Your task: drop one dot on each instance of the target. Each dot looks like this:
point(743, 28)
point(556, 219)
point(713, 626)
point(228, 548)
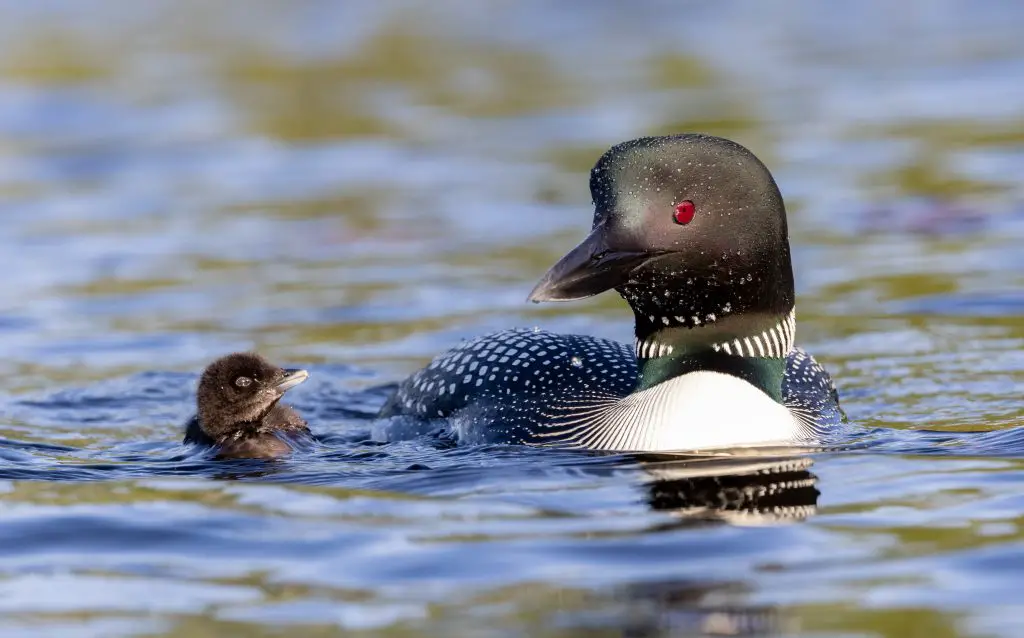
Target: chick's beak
point(292, 377)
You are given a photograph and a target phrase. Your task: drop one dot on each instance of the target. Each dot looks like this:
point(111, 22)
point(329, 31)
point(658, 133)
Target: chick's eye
point(684, 212)
point(243, 382)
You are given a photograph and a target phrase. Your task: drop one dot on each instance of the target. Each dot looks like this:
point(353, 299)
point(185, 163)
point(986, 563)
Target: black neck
point(729, 314)
point(762, 372)
point(759, 344)
point(712, 302)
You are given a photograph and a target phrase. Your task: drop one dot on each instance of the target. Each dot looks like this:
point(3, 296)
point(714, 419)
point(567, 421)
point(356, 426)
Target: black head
point(689, 229)
point(238, 389)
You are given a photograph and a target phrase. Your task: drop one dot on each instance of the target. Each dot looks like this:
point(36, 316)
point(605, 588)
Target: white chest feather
point(700, 410)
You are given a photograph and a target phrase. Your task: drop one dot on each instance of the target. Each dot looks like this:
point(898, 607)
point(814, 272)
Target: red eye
point(684, 212)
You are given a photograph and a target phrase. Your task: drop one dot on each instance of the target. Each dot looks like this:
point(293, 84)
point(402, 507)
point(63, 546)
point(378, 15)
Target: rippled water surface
point(353, 187)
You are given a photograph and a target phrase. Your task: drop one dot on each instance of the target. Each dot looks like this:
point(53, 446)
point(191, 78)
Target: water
point(353, 187)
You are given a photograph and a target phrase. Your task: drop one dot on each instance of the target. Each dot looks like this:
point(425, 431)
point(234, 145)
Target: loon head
point(240, 389)
point(691, 231)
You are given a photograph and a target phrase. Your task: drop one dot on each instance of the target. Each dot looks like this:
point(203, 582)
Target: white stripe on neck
point(774, 343)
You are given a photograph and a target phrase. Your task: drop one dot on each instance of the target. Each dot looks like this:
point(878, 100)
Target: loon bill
point(691, 231)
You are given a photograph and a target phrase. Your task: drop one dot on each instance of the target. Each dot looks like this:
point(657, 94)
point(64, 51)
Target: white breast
point(696, 411)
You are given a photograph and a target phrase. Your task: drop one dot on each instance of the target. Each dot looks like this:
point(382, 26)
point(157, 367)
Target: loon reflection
point(693, 608)
point(747, 489)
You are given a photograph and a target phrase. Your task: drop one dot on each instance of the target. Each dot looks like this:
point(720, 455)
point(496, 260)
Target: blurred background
point(354, 186)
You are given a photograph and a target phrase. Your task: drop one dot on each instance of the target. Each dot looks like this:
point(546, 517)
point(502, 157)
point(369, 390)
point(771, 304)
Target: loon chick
point(691, 231)
point(238, 409)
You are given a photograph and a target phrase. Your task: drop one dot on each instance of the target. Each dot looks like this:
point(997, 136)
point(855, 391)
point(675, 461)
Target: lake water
point(355, 186)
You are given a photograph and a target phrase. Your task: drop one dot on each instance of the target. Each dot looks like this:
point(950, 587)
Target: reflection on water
point(356, 186)
point(759, 490)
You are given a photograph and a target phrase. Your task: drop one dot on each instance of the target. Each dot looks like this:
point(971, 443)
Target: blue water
point(354, 187)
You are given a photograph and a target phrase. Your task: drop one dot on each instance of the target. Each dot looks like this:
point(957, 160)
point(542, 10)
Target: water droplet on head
point(576, 362)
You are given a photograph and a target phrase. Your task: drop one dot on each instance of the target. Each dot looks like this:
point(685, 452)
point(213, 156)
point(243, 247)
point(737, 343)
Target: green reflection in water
point(927, 176)
point(897, 622)
point(53, 57)
point(322, 100)
point(929, 172)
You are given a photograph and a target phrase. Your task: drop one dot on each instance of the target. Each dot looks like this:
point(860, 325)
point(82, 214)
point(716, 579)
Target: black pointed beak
point(292, 378)
point(588, 269)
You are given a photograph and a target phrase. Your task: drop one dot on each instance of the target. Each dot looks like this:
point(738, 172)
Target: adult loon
point(691, 231)
point(239, 411)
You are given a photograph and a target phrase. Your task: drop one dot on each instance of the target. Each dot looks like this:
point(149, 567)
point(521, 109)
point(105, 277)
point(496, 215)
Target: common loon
point(691, 231)
point(238, 409)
